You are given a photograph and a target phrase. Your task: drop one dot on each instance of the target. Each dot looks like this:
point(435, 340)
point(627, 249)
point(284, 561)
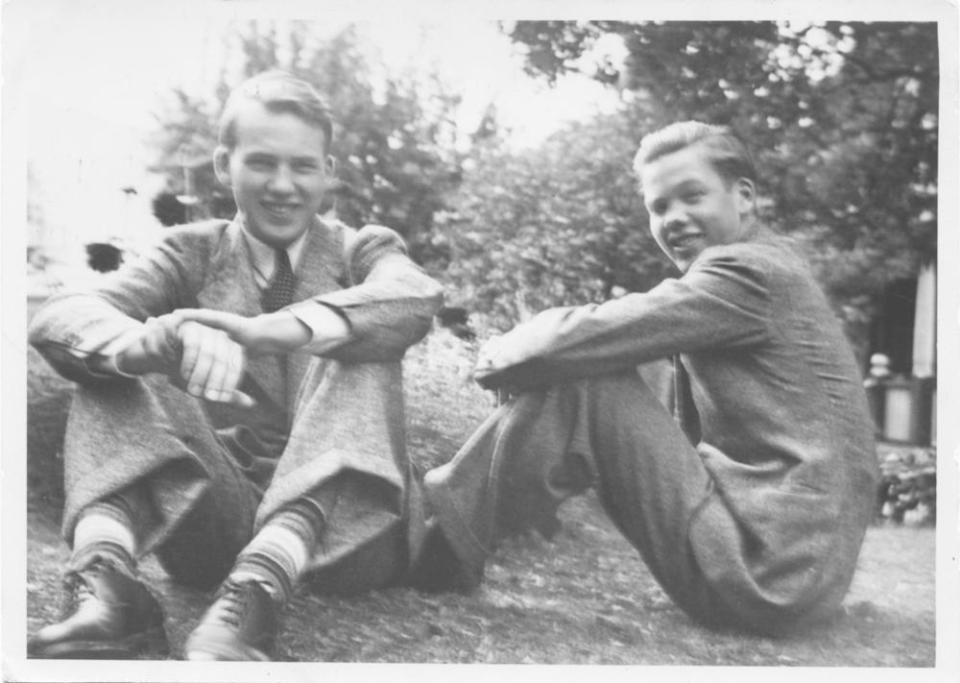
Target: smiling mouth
point(279, 210)
point(684, 242)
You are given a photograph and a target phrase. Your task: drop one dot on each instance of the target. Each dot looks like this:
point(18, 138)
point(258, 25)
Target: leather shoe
point(106, 614)
point(241, 625)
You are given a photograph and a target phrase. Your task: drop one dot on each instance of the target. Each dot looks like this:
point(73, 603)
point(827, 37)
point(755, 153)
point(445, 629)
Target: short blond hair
point(727, 153)
point(278, 91)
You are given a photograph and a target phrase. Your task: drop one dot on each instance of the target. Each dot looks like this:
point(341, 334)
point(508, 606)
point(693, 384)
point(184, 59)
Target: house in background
point(903, 397)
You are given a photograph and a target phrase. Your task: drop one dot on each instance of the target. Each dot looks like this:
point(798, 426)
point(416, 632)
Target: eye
point(657, 208)
point(306, 166)
point(260, 163)
point(693, 196)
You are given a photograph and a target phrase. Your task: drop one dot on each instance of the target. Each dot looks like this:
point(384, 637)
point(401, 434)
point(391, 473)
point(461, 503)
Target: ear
point(221, 165)
point(331, 165)
point(746, 196)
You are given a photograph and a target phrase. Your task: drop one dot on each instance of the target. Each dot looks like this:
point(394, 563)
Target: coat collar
point(230, 286)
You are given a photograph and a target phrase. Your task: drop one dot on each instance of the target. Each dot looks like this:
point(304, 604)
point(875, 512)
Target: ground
point(582, 597)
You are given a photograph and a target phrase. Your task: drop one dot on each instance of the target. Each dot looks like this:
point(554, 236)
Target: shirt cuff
point(316, 316)
point(103, 362)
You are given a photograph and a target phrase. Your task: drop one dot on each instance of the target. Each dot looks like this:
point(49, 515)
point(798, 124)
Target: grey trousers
point(208, 492)
point(610, 433)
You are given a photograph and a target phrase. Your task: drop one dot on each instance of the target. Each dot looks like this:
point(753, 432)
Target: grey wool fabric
point(214, 473)
point(750, 503)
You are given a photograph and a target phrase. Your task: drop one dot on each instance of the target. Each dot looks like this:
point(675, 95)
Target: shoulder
point(202, 236)
point(771, 256)
point(202, 230)
point(366, 238)
point(377, 233)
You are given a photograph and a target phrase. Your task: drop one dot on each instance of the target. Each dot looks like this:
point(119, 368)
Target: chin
point(283, 234)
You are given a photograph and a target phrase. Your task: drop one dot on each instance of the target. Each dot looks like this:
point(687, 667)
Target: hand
point(156, 349)
point(202, 360)
point(494, 355)
point(524, 342)
point(279, 332)
point(212, 364)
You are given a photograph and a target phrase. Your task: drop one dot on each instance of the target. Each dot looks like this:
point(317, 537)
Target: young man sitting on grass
point(748, 504)
point(239, 403)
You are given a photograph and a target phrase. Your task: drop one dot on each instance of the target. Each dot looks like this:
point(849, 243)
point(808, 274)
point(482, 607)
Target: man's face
point(692, 207)
point(279, 172)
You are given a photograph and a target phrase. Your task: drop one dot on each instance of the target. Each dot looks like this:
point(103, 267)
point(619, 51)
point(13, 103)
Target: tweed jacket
point(365, 275)
point(775, 401)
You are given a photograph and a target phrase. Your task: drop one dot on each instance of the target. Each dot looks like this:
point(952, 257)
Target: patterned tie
point(280, 291)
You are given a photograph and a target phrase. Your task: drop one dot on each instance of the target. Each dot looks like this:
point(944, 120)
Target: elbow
point(434, 297)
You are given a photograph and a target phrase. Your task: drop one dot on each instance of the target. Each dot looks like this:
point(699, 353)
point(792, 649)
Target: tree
point(843, 117)
point(393, 134)
point(560, 224)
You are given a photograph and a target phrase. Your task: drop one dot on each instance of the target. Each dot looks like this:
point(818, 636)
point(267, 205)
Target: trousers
point(206, 492)
point(613, 434)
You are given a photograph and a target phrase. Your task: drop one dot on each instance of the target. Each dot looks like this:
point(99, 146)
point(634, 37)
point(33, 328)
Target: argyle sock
point(106, 529)
point(279, 553)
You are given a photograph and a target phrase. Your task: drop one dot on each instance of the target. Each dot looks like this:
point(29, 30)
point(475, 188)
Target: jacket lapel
point(230, 286)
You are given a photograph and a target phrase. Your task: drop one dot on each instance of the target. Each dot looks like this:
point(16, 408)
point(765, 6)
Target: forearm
point(75, 333)
point(387, 313)
point(308, 327)
point(78, 332)
point(678, 316)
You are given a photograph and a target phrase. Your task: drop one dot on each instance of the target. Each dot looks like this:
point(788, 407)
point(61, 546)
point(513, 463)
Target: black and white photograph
point(479, 339)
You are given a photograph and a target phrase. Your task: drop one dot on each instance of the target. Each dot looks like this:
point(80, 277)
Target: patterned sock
point(279, 553)
point(105, 529)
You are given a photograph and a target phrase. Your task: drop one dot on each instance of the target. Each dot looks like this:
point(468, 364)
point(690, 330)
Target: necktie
point(280, 291)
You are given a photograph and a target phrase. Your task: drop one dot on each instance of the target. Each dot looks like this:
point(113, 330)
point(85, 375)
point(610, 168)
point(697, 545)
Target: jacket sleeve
point(390, 302)
point(722, 301)
point(73, 328)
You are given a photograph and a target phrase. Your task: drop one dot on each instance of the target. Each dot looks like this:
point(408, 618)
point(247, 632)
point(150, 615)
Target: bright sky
point(96, 72)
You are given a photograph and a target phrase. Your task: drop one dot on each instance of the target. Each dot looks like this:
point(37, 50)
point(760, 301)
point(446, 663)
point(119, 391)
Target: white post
point(925, 323)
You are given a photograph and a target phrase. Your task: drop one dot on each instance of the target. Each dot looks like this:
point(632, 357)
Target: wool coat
point(758, 514)
point(315, 416)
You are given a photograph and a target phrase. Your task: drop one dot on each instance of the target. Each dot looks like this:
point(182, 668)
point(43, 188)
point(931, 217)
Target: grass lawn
point(583, 597)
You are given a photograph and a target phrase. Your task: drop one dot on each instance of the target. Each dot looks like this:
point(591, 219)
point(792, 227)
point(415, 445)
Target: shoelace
point(79, 589)
point(80, 594)
point(231, 605)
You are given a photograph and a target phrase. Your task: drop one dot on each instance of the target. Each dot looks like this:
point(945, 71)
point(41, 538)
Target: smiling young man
point(239, 407)
point(749, 503)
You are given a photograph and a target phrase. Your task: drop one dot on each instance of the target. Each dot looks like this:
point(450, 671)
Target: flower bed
point(908, 484)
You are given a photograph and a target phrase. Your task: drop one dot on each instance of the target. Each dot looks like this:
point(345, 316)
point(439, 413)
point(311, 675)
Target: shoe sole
point(213, 652)
point(152, 642)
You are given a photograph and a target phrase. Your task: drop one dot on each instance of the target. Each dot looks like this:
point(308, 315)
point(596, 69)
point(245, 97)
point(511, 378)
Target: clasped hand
point(521, 344)
point(204, 351)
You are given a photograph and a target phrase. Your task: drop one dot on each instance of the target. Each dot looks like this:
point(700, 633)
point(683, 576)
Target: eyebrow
point(689, 183)
point(262, 154)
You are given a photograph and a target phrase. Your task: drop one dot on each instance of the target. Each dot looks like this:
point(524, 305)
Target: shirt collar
point(262, 255)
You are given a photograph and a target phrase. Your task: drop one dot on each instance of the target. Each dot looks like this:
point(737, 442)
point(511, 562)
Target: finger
point(189, 334)
point(238, 398)
point(233, 367)
point(201, 349)
point(219, 369)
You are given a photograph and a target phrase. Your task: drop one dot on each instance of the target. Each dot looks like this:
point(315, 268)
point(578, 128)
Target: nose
point(281, 181)
point(674, 217)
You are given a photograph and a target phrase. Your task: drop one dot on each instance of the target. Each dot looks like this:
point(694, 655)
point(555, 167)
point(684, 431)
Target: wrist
point(281, 331)
point(125, 364)
point(325, 326)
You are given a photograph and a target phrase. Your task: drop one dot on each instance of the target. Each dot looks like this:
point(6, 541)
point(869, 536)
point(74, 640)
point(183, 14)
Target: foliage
point(561, 224)
point(393, 135)
point(843, 117)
